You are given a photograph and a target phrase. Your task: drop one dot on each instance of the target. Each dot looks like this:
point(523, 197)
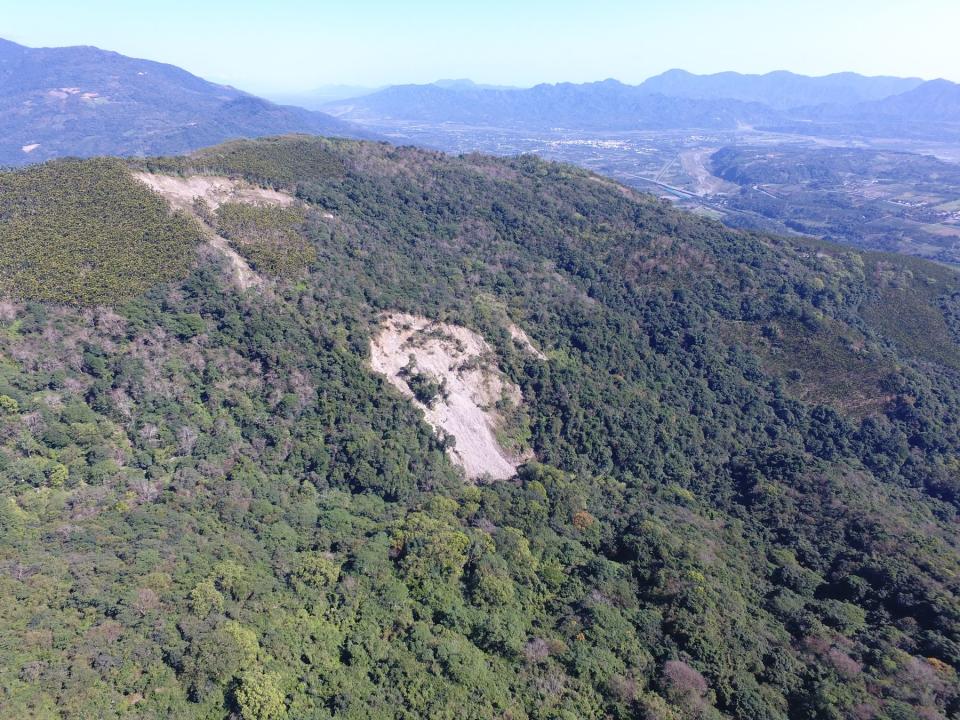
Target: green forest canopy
point(744, 503)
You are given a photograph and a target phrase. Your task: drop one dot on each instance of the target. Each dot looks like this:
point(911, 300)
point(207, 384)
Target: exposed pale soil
point(473, 385)
point(215, 190)
point(243, 275)
point(521, 337)
point(181, 192)
point(694, 163)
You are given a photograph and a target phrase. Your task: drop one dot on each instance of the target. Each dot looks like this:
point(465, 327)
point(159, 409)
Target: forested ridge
point(743, 505)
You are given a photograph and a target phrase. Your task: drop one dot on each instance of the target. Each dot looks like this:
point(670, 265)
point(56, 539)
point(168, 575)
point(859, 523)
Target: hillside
point(82, 101)
point(737, 488)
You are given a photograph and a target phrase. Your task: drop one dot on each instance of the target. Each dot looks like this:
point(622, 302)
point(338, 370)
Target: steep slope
point(744, 503)
point(85, 101)
point(447, 371)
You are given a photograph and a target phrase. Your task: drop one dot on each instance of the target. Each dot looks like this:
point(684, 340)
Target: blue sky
point(291, 45)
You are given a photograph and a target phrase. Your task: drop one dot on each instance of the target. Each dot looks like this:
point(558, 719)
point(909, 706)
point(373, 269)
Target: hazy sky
point(289, 45)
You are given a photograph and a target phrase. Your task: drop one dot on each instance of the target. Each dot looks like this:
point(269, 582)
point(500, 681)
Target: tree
point(205, 598)
point(259, 697)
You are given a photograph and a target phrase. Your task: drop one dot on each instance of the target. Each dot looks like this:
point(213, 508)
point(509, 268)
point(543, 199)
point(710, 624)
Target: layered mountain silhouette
point(843, 102)
point(780, 90)
point(599, 105)
point(84, 101)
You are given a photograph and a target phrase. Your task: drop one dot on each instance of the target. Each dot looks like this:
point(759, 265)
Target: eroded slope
point(183, 192)
point(449, 372)
point(202, 195)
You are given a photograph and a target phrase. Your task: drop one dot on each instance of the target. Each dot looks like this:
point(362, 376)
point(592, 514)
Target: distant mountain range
point(86, 101)
point(599, 105)
point(839, 103)
point(322, 95)
point(780, 90)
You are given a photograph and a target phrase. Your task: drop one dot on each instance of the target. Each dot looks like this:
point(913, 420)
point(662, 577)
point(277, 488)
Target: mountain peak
point(935, 101)
point(939, 84)
point(675, 73)
point(456, 84)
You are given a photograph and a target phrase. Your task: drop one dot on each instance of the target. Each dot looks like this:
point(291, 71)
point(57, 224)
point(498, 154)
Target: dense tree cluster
point(744, 502)
point(84, 232)
point(269, 237)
